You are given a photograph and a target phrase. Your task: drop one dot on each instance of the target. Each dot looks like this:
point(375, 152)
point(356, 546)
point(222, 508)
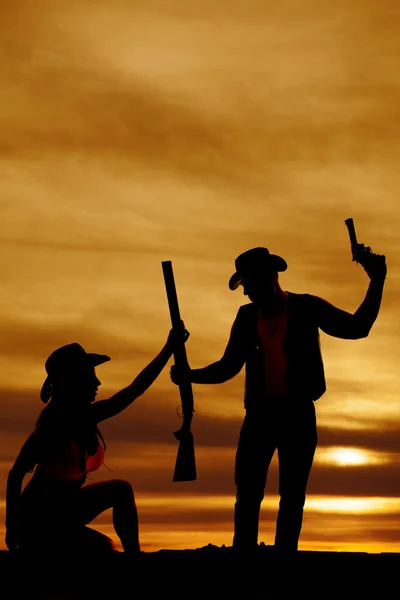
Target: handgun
point(353, 239)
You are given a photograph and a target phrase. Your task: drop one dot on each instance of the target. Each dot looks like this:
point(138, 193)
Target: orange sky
point(137, 132)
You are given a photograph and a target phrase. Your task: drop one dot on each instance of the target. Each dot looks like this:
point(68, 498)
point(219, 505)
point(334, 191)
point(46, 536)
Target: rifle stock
point(185, 465)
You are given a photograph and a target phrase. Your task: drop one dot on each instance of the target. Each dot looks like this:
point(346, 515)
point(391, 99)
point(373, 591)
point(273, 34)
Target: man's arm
point(341, 324)
point(230, 363)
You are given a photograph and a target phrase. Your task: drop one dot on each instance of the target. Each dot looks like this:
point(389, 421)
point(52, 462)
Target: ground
point(208, 573)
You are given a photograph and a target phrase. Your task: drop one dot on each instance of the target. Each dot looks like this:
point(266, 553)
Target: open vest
point(305, 373)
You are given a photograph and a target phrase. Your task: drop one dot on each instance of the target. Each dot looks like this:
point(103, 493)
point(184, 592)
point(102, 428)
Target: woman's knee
point(122, 489)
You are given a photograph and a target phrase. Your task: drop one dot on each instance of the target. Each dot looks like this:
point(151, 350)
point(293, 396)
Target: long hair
point(68, 424)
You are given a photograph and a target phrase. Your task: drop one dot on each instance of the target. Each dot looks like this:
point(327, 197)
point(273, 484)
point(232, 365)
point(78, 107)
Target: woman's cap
point(70, 357)
point(255, 262)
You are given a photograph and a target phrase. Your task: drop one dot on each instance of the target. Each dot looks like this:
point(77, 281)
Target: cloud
point(83, 103)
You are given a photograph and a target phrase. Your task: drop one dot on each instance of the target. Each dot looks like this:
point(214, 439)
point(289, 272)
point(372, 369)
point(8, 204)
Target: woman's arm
point(104, 409)
point(25, 462)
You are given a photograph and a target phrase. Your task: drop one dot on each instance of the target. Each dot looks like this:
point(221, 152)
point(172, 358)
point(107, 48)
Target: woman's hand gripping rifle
point(185, 465)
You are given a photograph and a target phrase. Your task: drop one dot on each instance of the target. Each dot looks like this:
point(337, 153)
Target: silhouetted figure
point(276, 337)
point(54, 507)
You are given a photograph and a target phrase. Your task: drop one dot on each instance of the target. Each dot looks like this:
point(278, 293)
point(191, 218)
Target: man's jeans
point(288, 425)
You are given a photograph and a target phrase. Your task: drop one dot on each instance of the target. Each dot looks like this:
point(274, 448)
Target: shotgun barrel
point(185, 465)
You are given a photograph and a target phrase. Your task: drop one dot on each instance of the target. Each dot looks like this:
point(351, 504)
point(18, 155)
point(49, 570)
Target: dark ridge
point(210, 572)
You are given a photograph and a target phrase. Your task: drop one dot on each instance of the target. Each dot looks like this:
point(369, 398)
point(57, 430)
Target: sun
point(344, 456)
point(349, 456)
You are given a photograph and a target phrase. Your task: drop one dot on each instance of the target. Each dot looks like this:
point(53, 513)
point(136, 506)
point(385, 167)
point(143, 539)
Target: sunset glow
point(337, 504)
point(352, 457)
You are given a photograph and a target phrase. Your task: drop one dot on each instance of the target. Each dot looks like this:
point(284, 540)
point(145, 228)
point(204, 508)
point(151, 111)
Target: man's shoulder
point(246, 310)
point(304, 303)
point(296, 297)
point(300, 297)
point(246, 307)
point(246, 315)
point(297, 294)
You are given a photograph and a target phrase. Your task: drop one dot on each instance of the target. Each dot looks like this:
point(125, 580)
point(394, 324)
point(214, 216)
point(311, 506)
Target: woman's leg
point(93, 499)
point(89, 541)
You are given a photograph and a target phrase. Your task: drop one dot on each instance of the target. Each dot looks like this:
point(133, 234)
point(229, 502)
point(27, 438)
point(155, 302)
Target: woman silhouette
point(55, 506)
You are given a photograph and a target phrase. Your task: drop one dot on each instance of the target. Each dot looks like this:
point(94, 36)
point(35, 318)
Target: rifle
point(185, 465)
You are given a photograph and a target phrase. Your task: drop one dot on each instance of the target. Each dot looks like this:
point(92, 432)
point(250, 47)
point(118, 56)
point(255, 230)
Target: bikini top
point(67, 462)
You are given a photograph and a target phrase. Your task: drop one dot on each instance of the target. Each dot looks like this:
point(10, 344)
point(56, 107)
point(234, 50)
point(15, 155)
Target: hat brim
point(97, 359)
point(276, 262)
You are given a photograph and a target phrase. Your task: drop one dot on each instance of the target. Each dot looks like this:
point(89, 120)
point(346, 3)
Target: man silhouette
point(276, 337)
